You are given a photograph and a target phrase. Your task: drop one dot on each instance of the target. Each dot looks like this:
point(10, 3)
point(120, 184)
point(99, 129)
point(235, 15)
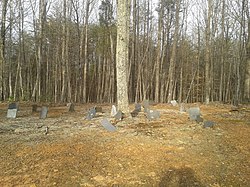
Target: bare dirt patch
point(170, 151)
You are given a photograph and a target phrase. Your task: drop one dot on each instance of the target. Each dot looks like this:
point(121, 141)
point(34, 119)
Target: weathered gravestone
point(153, 114)
point(113, 111)
point(145, 104)
point(44, 112)
point(208, 124)
point(107, 125)
point(12, 110)
point(91, 113)
point(71, 107)
point(194, 113)
point(137, 107)
point(34, 108)
point(174, 103)
point(119, 115)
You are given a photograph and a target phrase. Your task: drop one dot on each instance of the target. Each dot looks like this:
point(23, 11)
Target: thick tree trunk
point(123, 13)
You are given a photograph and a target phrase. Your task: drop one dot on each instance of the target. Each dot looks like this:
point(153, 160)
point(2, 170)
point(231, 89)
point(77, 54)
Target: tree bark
point(123, 13)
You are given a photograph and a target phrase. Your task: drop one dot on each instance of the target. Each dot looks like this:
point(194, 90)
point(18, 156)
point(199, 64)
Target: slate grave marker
point(44, 112)
point(153, 114)
point(107, 125)
point(194, 113)
point(208, 124)
point(91, 113)
point(137, 107)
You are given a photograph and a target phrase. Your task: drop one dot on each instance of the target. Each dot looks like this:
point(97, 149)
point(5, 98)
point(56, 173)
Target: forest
point(184, 50)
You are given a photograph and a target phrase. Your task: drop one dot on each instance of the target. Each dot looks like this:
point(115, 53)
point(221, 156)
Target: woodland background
point(64, 51)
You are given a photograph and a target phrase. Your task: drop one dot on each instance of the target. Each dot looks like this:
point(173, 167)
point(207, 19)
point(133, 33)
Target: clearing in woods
point(170, 151)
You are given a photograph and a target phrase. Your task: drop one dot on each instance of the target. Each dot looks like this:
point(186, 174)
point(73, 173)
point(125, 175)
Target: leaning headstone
point(194, 113)
point(208, 124)
point(91, 113)
point(153, 114)
point(174, 103)
point(11, 113)
point(145, 104)
point(134, 113)
point(107, 125)
point(34, 108)
point(113, 111)
point(137, 107)
point(71, 107)
point(44, 112)
point(119, 115)
point(13, 106)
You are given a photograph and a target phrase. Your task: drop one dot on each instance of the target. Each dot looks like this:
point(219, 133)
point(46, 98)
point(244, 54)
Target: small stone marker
point(194, 113)
point(11, 113)
point(207, 124)
point(119, 115)
point(71, 107)
point(145, 104)
point(91, 113)
point(174, 103)
point(113, 111)
point(34, 108)
point(44, 112)
point(137, 107)
point(98, 109)
point(182, 108)
point(13, 106)
point(107, 125)
point(153, 114)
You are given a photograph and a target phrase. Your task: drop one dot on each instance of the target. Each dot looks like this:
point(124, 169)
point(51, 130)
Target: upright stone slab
point(137, 107)
point(113, 111)
point(107, 125)
point(12, 110)
point(91, 113)
point(194, 113)
point(13, 106)
point(153, 114)
point(34, 108)
point(44, 112)
point(11, 113)
point(174, 103)
point(119, 115)
point(71, 107)
point(145, 104)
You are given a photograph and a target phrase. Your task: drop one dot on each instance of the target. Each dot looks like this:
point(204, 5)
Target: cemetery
point(98, 145)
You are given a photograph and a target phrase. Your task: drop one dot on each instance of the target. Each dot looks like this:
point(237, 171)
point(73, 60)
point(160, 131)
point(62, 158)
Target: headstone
point(91, 113)
point(137, 107)
point(71, 107)
point(113, 111)
point(174, 103)
point(145, 104)
point(153, 114)
point(207, 124)
point(34, 108)
point(13, 106)
point(44, 112)
point(194, 113)
point(119, 115)
point(182, 108)
point(134, 113)
point(98, 109)
point(107, 125)
point(11, 113)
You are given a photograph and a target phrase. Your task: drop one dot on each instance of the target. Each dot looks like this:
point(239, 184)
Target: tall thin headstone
point(44, 112)
point(12, 110)
point(113, 111)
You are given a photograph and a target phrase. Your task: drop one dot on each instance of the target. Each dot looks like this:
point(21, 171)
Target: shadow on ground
point(180, 177)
